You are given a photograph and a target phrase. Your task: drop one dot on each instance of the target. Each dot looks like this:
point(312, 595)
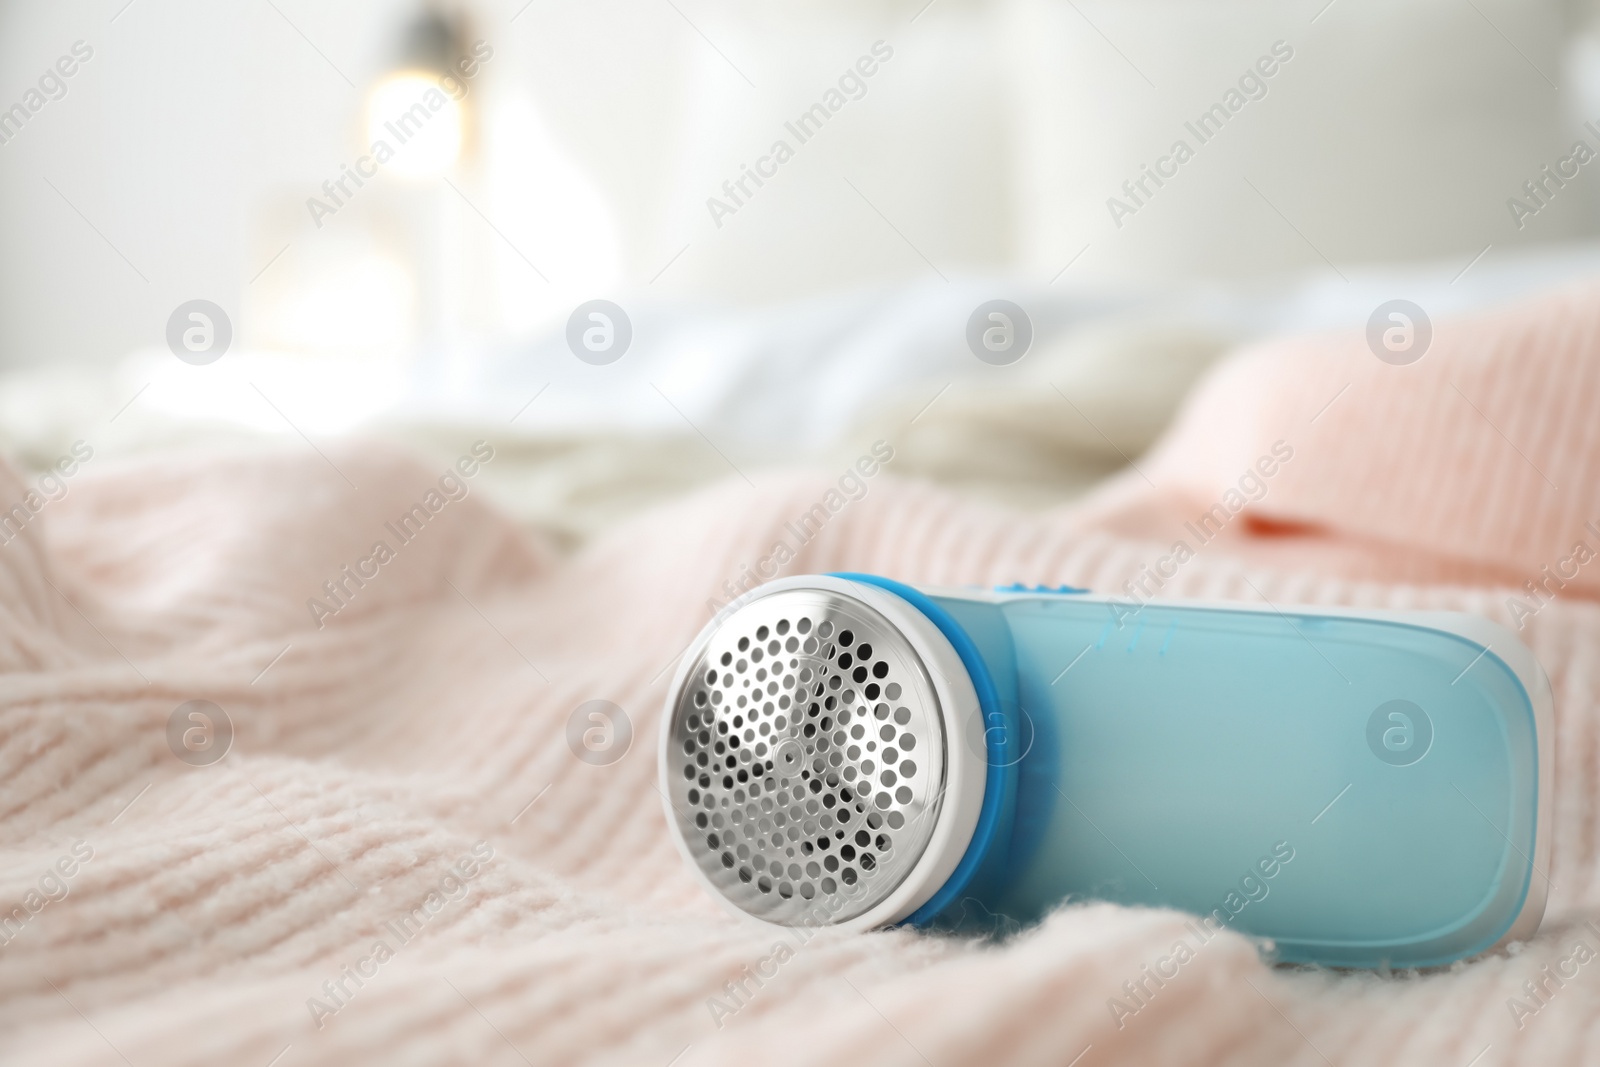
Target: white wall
point(192, 138)
point(186, 114)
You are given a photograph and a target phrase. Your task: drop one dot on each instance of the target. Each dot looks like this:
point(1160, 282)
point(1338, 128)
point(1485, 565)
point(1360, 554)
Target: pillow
point(908, 176)
point(1181, 139)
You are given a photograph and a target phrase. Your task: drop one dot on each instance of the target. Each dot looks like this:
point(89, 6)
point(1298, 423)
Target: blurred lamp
point(411, 109)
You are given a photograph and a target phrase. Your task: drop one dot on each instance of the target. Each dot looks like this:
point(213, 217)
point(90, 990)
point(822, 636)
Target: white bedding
point(707, 392)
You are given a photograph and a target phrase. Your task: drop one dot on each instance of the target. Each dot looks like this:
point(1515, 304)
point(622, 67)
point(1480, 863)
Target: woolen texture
point(430, 713)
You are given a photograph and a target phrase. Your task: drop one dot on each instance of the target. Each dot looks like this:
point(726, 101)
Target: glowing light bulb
point(420, 122)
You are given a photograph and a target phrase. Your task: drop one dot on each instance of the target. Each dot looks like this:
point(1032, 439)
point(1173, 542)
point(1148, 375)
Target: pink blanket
point(398, 858)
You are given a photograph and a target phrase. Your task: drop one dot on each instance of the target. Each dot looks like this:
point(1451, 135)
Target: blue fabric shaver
point(1359, 788)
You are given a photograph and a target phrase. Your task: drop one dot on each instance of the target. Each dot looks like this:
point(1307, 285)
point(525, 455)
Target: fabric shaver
point(1358, 788)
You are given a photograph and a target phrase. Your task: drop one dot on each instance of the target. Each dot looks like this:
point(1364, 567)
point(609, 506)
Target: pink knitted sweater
point(400, 860)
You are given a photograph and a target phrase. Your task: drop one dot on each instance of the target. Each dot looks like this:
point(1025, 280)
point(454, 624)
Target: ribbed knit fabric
point(222, 903)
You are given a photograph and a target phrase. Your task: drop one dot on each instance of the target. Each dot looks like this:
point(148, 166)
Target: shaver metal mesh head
point(806, 758)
